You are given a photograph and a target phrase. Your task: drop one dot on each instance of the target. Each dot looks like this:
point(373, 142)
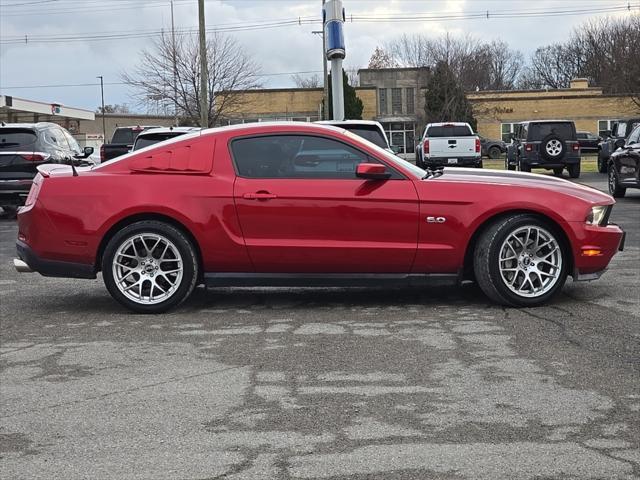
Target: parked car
point(624, 164)
point(449, 143)
point(492, 148)
point(25, 146)
point(549, 144)
point(156, 135)
point(304, 204)
point(588, 141)
point(367, 129)
point(619, 129)
point(121, 142)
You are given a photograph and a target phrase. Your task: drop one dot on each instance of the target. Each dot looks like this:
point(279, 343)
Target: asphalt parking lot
point(322, 383)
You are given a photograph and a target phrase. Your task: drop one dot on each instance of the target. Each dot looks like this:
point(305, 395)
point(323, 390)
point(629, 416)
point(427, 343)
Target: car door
point(628, 159)
point(303, 210)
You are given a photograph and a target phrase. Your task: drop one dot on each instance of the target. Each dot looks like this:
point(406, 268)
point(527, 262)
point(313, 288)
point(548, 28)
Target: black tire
point(494, 152)
point(602, 164)
point(523, 167)
point(184, 247)
point(615, 190)
point(574, 170)
point(507, 165)
point(486, 261)
point(559, 145)
point(558, 171)
point(10, 211)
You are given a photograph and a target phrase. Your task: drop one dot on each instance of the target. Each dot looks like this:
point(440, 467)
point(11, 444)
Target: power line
point(72, 85)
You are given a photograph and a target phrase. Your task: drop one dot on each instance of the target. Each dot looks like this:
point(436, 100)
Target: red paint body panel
point(300, 225)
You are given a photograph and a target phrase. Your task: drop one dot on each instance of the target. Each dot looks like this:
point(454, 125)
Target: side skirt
point(233, 279)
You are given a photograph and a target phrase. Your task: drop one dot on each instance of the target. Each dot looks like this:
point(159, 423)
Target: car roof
point(442, 124)
point(156, 130)
point(348, 122)
point(38, 125)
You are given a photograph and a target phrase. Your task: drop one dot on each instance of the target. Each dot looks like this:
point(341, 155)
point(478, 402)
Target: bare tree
point(604, 51)
point(115, 108)
point(353, 76)
point(380, 58)
point(475, 64)
point(231, 70)
point(313, 81)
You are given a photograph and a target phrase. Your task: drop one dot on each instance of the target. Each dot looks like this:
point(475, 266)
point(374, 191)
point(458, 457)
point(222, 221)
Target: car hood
point(525, 180)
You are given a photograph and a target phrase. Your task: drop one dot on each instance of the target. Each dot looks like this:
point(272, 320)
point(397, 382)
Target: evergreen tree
point(352, 104)
point(445, 100)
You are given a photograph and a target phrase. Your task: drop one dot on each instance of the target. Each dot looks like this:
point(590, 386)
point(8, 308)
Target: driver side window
point(634, 137)
point(296, 156)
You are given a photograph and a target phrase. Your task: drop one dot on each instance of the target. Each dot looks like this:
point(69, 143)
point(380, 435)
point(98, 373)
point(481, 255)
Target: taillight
point(33, 157)
point(576, 147)
point(528, 147)
point(102, 153)
point(425, 146)
point(477, 145)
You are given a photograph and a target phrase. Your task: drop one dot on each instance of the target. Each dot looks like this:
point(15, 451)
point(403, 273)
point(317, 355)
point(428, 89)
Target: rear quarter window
point(539, 131)
point(17, 139)
point(372, 134)
point(449, 131)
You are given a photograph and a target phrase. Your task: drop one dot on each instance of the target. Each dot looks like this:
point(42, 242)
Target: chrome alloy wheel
point(553, 147)
point(530, 261)
point(147, 268)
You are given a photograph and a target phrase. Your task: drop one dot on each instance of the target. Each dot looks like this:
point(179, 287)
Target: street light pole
point(104, 127)
point(204, 74)
point(325, 86)
point(175, 72)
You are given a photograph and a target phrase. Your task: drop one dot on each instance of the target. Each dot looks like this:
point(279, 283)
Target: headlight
point(598, 215)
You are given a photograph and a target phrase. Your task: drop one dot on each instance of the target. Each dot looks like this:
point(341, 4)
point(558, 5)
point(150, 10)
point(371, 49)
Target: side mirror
point(619, 143)
point(372, 171)
point(87, 151)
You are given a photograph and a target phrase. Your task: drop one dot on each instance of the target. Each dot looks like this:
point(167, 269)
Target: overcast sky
point(277, 50)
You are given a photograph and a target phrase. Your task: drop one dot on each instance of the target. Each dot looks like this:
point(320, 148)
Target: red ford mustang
point(303, 204)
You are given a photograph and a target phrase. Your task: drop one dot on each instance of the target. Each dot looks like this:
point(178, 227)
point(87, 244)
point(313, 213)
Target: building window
point(396, 100)
point(401, 135)
point(410, 100)
point(604, 126)
point(383, 101)
point(507, 129)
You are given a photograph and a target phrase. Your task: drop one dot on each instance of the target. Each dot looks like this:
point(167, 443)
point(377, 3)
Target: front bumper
point(52, 268)
point(609, 240)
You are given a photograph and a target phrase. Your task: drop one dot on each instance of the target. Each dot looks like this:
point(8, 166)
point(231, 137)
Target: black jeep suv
point(548, 144)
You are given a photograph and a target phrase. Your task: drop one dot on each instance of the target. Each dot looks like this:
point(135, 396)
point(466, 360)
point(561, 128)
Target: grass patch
point(589, 164)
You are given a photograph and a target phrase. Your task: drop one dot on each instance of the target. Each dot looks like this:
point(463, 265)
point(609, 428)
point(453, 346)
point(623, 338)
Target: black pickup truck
point(121, 142)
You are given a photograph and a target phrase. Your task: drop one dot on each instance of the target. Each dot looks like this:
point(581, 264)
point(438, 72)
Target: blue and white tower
point(333, 18)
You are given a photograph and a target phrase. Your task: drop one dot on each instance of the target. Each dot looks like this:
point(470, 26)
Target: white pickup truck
point(449, 144)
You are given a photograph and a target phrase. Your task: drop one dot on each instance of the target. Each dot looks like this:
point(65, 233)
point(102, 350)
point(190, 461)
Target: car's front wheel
point(602, 165)
point(520, 261)
point(615, 190)
point(150, 266)
point(494, 152)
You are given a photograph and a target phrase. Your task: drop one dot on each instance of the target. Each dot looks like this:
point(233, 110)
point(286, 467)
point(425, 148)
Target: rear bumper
point(444, 161)
point(53, 268)
point(14, 192)
point(542, 163)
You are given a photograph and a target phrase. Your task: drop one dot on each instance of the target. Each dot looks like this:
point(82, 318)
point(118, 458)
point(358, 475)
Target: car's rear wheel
point(150, 266)
point(523, 167)
point(494, 152)
point(614, 185)
point(520, 261)
point(574, 170)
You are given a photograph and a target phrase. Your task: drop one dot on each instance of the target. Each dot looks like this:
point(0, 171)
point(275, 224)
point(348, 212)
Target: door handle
point(259, 196)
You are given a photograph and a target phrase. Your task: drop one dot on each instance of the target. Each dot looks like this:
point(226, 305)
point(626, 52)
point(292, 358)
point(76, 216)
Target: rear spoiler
point(55, 170)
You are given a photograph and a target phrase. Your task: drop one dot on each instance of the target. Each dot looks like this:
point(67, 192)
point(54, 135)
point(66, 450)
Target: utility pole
point(325, 85)
point(204, 74)
point(104, 127)
point(333, 15)
point(175, 71)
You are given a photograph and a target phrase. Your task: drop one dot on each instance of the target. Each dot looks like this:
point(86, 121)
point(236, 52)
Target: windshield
point(17, 138)
point(368, 132)
point(394, 160)
point(450, 131)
